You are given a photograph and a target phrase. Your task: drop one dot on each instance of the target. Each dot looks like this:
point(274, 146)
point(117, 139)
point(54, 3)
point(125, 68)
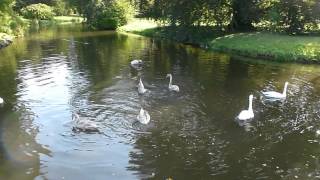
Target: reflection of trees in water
point(19, 150)
point(104, 57)
point(21, 158)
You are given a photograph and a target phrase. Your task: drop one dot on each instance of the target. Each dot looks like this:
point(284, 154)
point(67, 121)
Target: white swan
point(277, 95)
point(172, 87)
point(247, 114)
point(84, 124)
point(143, 116)
point(136, 62)
point(141, 89)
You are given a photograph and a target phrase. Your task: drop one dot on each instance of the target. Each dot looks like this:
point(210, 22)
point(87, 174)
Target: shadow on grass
point(198, 36)
point(264, 45)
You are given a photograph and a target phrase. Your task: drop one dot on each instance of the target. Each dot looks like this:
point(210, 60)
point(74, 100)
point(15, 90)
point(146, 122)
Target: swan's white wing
point(144, 118)
point(142, 90)
point(147, 117)
point(242, 115)
point(136, 62)
point(174, 88)
point(245, 114)
point(133, 63)
point(272, 94)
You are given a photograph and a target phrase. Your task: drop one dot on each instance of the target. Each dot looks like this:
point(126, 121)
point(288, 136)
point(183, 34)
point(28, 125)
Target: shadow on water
point(192, 134)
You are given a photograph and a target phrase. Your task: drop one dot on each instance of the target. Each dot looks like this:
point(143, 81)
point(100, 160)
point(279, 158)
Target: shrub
point(110, 16)
point(11, 24)
point(38, 11)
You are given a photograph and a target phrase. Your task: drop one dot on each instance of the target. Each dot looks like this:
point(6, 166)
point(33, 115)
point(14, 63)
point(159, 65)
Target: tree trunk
point(242, 18)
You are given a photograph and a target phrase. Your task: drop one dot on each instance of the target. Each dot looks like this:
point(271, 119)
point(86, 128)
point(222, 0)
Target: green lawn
point(59, 20)
point(270, 46)
point(138, 25)
point(279, 47)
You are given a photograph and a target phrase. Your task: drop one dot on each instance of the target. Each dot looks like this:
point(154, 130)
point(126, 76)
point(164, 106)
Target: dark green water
point(192, 134)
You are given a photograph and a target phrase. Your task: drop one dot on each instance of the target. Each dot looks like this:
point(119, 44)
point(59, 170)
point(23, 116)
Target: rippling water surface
point(193, 134)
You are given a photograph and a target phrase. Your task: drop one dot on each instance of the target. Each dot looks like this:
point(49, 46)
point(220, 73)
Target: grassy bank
point(199, 36)
point(8, 31)
point(278, 47)
point(68, 19)
point(57, 20)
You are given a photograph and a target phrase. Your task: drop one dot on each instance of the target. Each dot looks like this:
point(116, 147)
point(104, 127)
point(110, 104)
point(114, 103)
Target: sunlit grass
point(138, 25)
point(57, 20)
point(68, 19)
point(270, 46)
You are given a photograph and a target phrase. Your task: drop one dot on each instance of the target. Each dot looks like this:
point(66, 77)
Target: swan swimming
point(84, 124)
point(277, 95)
point(136, 62)
point(141, 89)
point(172, 87)
point(247, 114)
point(143, 117)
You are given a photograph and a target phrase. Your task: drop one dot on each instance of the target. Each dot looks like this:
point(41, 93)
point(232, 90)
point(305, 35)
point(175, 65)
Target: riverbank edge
point(5, 40)
point(260, 45)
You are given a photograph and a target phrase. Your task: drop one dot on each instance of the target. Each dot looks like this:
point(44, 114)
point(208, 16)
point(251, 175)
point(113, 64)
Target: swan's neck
point(284, 93)
point(141, 112)
point(170, 82)
point(250, 105)
point(141, 84)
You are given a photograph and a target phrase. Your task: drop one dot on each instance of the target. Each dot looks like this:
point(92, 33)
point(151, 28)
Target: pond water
point(193, 134)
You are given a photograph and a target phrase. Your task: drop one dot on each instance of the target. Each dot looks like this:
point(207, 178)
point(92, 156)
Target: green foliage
point(38, 11)
point(291, 16)
point(186, 12)
point(11, 24)
point(4, 5)
point(59, 8)
point(19, 4)
point(108, 15)
point(219, 13)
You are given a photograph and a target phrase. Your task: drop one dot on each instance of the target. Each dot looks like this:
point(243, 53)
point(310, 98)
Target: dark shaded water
point(192, 135)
